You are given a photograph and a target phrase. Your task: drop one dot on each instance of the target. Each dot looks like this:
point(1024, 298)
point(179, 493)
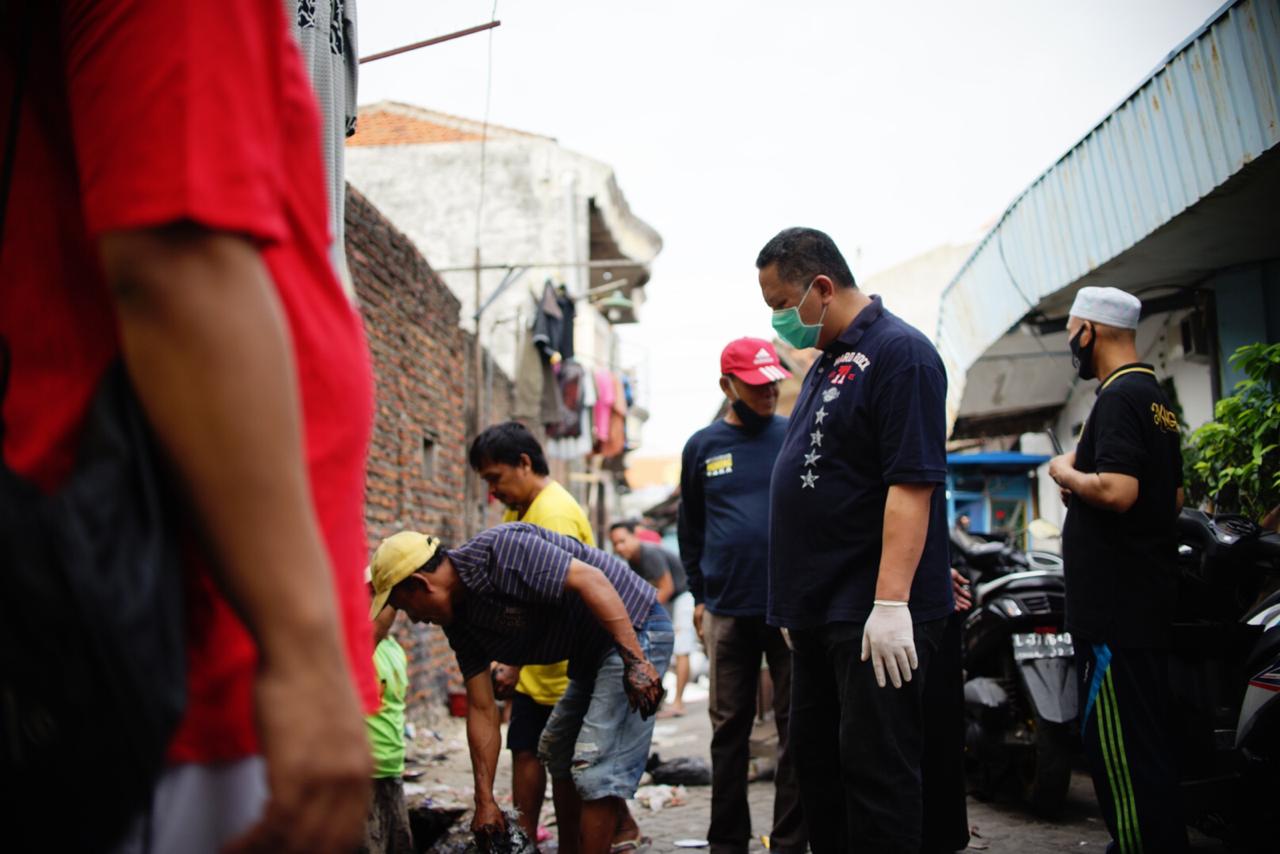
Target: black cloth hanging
point(568, 311)
point(548, 323)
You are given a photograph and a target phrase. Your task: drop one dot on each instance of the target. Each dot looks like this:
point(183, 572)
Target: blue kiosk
point(996, 490)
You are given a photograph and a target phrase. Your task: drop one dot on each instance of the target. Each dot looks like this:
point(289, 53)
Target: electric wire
point(484, 127)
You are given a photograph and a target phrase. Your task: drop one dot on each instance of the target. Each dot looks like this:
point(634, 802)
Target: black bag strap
point(21, 45)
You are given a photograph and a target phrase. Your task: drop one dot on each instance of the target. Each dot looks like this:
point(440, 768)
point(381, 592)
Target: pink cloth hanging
point(606, 394)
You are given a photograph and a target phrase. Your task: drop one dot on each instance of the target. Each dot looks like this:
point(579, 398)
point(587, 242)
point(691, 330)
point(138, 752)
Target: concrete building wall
point(432, 192)
point(913, 289)
point(536, 211)
point(423, 383)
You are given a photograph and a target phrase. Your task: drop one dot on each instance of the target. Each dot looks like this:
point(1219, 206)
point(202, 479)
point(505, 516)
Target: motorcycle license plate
point(1028, 645)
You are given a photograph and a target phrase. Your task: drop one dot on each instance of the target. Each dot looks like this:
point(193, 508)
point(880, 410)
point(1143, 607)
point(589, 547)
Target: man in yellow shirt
point(509, 459)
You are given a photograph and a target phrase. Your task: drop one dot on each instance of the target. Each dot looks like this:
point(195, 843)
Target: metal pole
point(437, 40)
point(474, 511)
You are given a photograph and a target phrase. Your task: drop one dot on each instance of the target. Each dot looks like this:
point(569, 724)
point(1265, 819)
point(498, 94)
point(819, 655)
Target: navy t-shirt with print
point(724, 515)
point(517, 609)
point(871, 414)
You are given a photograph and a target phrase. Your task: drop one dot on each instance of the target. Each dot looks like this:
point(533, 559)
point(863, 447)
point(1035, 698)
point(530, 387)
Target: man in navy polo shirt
point(858, 563)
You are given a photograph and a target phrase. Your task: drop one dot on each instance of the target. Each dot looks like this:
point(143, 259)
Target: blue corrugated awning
point(1207, 114)
point(998, 459)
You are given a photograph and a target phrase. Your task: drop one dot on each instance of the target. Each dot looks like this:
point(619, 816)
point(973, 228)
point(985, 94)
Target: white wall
point(535, 211)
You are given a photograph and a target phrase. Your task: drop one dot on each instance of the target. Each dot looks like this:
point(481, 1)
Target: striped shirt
point(517, 610)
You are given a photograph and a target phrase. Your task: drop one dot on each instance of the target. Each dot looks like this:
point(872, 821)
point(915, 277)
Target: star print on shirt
point(811, 458)
point(820, 415)
point(815, 438)
point(808, 478)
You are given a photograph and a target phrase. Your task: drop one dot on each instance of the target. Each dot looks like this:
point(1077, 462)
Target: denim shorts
point(593, 736)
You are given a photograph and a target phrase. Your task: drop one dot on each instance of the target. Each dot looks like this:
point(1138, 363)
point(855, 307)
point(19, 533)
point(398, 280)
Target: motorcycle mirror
point(1043, 529)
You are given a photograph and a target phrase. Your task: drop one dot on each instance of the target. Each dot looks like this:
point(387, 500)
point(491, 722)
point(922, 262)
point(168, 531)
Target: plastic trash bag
point(682, 771)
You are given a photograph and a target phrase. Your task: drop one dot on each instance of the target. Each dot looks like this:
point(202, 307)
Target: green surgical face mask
point(793, 330)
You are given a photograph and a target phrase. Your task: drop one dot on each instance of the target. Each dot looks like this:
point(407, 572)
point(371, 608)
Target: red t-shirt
point(153, 112)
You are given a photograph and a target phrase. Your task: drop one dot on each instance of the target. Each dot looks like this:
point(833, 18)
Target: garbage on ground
point(760, 770)
point(460, 840)
point(431, 820)
point(682, 771)
point(657, 798)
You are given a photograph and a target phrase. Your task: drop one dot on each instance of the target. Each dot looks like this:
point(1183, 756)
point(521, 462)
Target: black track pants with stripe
point(1128, 743)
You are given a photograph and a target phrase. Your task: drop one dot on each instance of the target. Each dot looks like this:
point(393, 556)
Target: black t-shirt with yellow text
point(1121, 568)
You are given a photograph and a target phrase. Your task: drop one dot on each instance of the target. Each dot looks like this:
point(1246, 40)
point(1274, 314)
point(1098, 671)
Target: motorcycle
point(1225, 676)
point(1020, 695)
point(1020, 689)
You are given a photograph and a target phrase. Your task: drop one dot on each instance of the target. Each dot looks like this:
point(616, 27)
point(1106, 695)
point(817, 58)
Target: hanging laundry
point(570, 378)
point(606, 393)
point(548, 324)
point(537, 391)
point(326, 35)
point(617, 441)
point(568, 311)
point(530, 380)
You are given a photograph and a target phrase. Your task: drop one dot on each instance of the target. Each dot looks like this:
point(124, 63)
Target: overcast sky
point(893, 126)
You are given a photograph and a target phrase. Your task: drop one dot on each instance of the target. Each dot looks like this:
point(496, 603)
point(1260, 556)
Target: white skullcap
point(1108, 306)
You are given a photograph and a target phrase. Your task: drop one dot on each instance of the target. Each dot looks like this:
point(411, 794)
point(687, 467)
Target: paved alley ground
point(997, 828)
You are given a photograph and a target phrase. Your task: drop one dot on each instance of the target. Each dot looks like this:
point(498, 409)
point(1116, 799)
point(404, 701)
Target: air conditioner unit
point(1196, 339)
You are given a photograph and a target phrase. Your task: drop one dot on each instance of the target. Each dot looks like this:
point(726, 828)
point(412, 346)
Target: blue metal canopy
point(1114, 209)
point(998, 459)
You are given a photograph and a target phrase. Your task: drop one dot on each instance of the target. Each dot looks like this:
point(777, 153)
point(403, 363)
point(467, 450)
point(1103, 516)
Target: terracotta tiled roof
point(391, 123)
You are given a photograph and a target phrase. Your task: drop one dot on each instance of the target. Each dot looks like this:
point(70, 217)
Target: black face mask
point(752, 421)
point(1082, 354)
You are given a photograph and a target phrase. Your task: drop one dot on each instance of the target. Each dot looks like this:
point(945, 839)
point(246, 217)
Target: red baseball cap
point(752, 360)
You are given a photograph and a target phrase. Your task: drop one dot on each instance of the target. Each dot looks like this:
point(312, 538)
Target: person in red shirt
point(168, 207)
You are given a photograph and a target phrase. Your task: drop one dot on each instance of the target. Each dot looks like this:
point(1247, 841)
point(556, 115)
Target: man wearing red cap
point(724, 545)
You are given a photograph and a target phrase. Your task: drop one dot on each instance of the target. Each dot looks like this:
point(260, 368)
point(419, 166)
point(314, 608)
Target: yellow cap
point(396, 558)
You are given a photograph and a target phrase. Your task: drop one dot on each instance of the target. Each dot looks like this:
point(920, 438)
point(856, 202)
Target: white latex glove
point(888, 639)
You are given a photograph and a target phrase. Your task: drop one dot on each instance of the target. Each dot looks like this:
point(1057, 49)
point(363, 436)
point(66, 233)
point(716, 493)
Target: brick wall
point(425, 390)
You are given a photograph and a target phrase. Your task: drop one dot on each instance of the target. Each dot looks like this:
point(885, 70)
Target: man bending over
point(521, 594)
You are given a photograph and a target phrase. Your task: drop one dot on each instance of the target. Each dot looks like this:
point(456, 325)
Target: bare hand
point(1062, 466)
point(642, 685)
point(505, 678)
point(1065, 495)
point(488, 825)
point(318, 764)
point(960, 586)
point(698, 611)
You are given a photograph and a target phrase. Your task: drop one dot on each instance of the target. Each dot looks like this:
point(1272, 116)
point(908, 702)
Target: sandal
point(639, 844)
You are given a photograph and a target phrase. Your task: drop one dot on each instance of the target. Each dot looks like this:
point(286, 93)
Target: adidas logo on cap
point(773, 373)
point(762, 356)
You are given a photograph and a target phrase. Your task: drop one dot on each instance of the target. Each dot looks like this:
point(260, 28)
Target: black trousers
point(946, 809)
point(858, 746)
point(1128, 742)
point(734, 647)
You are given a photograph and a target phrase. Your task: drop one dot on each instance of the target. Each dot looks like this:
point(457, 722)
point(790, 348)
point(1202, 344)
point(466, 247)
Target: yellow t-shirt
point(555, 510)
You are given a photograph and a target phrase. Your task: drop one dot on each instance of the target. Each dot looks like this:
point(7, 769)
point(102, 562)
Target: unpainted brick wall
point(417, 457)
